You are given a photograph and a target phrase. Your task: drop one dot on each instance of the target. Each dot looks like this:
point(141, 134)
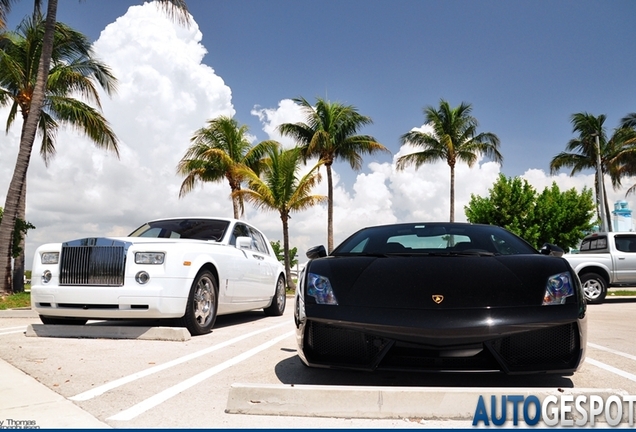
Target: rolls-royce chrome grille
point(89, 263)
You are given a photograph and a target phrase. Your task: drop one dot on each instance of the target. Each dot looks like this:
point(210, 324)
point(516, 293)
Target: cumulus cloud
point(165, 94)
point(286, 112)
point(385, 195)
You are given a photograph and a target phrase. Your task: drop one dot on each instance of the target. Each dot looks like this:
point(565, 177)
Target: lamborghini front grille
point(332, 344)
point(551, 348)
point(548, 349)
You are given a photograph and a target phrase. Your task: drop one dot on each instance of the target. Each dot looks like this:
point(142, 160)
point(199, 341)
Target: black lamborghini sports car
point(440, 297)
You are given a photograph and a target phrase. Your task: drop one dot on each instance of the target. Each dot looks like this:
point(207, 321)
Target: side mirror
point(552, 250)
point(316, 252)
point(244, 242)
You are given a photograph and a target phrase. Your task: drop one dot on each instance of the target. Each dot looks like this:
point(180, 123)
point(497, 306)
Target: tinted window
point(625, 243)
point(594, 243)
point(434, 238)
point(200, 229)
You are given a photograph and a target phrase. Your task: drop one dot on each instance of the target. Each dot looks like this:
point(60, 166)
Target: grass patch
point(13, 301)
point(620, 292)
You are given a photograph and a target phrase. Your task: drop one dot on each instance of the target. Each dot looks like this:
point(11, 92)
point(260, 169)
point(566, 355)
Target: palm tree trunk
point(608, 212)
point(452, 193)
point(236, 199)
point(235, 207)
point(329, 209)
point(18, 264)
point(285, 218)
point(27, 138)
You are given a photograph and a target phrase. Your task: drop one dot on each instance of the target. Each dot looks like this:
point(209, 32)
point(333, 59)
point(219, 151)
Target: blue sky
point(525, 66)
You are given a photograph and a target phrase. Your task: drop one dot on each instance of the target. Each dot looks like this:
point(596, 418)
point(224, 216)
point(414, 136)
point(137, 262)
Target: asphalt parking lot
point(246, 374)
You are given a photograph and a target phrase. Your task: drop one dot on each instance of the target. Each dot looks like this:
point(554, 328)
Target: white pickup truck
point(605, 259)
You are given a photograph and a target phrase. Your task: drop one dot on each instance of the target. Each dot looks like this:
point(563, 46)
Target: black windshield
point(200, 229)
point(434, 238)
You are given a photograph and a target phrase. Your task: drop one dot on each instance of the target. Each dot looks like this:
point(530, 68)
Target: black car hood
point(455, 281)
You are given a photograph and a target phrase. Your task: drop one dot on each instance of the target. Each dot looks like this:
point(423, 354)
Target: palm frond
point(71, 85)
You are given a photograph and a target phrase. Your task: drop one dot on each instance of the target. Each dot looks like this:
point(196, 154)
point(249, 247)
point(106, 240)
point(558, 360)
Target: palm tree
point(5, 8)
point(454, 139)
point(329, 133)
point(74, 72)
point(216, 152)
point(581, 153)
point(174, 8)
point(627, 159)
point(279, 188)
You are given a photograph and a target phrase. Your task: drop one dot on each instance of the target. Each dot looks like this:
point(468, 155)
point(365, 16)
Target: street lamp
point(599, 180)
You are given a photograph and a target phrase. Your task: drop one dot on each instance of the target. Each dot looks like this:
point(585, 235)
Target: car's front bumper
point(165, 298)
point(511, 340)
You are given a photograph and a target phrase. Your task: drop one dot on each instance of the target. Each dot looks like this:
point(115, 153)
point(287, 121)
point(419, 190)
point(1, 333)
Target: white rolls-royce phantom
point(192, 269)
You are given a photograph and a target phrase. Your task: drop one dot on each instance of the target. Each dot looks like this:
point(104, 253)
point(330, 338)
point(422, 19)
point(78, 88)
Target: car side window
point(625, 243)
point(240, 230)
point(258, 242)
point(502, 246)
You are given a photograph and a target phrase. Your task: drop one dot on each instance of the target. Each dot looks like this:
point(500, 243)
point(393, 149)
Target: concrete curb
point(18, 313)
point(109, 332)
point(435, 403)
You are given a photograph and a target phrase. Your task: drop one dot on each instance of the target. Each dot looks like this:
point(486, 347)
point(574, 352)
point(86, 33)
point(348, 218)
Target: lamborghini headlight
point(320, 288)
point(558, 288)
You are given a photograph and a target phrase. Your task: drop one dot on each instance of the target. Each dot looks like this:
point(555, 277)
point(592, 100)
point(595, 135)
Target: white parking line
point(602, 348)
point(612, 369)
point(12, 330)
point(163, 396)
point(125, 380)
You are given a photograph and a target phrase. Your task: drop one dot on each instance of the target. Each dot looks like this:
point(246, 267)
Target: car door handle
point(258, 257)
point(621, 258)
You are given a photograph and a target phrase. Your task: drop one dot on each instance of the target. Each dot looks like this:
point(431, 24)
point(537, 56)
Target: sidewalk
point(24, 402)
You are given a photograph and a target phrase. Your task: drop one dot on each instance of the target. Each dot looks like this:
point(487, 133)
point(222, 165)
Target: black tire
point(594, 287)
point(279, 300)
point(61, 321)
point(203, 302)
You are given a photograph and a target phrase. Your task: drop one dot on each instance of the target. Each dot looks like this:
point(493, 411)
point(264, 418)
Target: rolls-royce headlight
point(320, 288)
point(149, 257)
point(558, 288)
point(50, 257)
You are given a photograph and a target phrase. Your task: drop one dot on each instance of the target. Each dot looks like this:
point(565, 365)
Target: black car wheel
point(278, 301)
point(200, 313)
point(61, 321)
point(594, 287)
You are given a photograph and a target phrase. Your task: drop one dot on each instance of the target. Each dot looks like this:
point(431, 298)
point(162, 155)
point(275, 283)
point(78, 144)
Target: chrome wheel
point(200, 313)
point(204, 299)
point(279, 299)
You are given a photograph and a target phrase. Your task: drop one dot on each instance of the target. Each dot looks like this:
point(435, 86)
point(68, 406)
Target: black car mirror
point(316, 252)
point(550, 249)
